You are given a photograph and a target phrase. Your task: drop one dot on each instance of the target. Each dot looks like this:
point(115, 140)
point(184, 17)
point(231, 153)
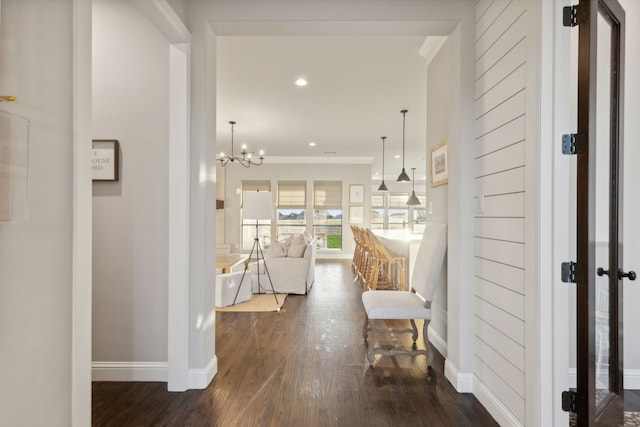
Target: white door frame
point(178, 37)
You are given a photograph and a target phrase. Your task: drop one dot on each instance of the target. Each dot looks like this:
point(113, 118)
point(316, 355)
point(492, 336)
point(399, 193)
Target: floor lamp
point(257, 205)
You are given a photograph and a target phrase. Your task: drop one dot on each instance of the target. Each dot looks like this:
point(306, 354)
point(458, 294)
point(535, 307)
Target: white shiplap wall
point(499, 298)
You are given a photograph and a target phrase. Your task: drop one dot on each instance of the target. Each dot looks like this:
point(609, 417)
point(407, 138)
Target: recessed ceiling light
point(397, 156)
point(312, 144)
point(301, 82)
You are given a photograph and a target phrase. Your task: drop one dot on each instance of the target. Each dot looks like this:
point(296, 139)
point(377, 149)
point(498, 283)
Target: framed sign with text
point(105, 160)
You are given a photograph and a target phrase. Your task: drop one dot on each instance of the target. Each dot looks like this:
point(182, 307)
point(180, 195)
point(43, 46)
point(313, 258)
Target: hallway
point(304, 366)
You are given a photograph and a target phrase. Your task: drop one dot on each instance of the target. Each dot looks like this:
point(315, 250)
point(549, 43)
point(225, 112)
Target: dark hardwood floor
point(304, 366)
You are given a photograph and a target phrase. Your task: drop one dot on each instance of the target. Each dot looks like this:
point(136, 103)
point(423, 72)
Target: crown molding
point(319, 160)
point(431, 46)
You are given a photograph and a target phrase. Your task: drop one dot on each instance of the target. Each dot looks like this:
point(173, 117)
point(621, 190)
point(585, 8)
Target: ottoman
point(227, 287)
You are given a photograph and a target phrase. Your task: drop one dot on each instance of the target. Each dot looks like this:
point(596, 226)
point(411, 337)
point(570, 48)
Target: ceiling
point(357, 86)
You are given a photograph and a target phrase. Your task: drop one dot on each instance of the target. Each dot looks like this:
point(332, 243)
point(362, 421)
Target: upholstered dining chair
point(381, 305)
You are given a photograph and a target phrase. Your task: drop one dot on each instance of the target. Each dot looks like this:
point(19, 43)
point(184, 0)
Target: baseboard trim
point(631, 378)
point(462, 382)
point(494, 406)
point(201, 378)
point(331, 256)
point(129, 371)
point(438, 342)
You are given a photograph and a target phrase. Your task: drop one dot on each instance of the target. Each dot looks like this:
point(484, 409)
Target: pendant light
point(403, 177)
point(383, 186)
point(413, 199)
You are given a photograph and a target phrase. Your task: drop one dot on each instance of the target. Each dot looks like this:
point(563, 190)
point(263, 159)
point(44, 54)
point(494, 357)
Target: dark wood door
point(599, 398)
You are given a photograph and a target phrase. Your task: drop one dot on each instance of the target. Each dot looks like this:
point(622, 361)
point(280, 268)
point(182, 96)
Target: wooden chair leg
point(365, 328)
point(426, 343)
point(414, 334)
point(372, 345)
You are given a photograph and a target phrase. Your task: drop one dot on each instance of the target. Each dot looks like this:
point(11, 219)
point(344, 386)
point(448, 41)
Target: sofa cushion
point(297, 248)
point(276, 250)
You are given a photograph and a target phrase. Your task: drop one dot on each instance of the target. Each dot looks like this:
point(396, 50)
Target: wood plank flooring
point(304, 366)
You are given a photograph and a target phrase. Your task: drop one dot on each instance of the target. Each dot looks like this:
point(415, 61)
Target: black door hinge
point(572, 272)
point(574, 143)
point(573, 15)
point(569, 401)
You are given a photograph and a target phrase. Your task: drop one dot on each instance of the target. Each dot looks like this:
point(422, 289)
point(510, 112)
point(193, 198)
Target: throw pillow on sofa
point(286, 243)
point(276, 250)
point(297, 248)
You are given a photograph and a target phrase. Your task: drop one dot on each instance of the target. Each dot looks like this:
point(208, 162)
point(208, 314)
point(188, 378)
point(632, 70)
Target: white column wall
point(202, 360)
point(36, 249)
point(500, 162)
point(459, 363)
point(439, 112)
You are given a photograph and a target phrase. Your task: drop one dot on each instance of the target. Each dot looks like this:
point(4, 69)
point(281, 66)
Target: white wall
point(347, 173)
point(36, 279)
point(438, 123)
point(439, 112)
point(130, 220)
point(499, 332)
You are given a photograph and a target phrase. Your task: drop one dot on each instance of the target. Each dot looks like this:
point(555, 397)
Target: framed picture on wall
point(356, 214)
point(356, 194)
point(439, 164)
point(105, 159)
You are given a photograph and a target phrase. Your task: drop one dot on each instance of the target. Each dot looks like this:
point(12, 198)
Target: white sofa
point(289, 275)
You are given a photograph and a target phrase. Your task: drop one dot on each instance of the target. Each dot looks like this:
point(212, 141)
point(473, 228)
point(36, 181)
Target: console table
point(226, 261)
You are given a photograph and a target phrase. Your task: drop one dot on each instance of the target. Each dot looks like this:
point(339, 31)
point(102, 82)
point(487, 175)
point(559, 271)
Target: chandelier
point(243, 159)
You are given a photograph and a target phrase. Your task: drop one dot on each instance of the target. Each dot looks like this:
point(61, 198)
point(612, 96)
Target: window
point(377, 210)
point(292, 204)
point(398, 211)
point(327, 214)
point(249, 226)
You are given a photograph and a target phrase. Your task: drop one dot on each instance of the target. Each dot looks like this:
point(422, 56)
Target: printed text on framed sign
point(105, 160)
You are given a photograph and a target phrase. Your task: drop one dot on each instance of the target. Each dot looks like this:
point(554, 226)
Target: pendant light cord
point(383, 138)
point(232, 124)
point(404, 113)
